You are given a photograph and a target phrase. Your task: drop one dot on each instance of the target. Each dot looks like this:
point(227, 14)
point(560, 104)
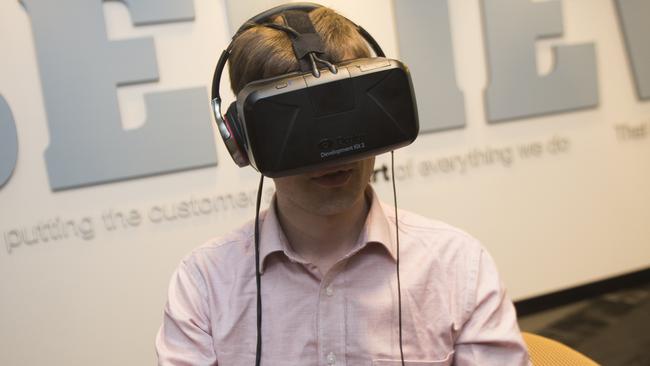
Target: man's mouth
point(334, 177)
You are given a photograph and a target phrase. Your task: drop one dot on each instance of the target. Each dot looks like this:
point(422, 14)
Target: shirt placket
point(331, 320)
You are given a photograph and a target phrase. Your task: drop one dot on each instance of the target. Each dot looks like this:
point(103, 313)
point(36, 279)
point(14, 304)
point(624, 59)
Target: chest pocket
point(444, 362)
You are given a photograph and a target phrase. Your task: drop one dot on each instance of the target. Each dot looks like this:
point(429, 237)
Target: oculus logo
point(340, 141)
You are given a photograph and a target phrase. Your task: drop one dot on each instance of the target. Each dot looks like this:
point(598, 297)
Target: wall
point(101, 195)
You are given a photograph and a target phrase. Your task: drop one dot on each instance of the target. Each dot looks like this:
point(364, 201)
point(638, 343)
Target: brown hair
point(261, 52)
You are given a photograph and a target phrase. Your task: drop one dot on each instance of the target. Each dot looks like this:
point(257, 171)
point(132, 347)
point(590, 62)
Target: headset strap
point(265, 17)
point(307, 41)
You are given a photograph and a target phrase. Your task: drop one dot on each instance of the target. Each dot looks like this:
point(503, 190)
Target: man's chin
point(336, 204)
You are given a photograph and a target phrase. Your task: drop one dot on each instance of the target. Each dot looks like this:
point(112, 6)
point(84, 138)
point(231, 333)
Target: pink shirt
point(454, 307)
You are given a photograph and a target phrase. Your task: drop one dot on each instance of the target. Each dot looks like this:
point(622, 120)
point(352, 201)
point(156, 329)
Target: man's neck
point(322, 239)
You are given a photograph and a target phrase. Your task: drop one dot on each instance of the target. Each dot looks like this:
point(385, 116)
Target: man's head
point(262, 52)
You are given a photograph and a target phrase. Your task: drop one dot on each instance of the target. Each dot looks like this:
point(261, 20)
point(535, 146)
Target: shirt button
point(331, 359)
point(329, 291)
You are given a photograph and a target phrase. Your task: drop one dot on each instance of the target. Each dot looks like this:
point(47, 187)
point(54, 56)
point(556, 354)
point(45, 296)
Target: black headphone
point(230, 126)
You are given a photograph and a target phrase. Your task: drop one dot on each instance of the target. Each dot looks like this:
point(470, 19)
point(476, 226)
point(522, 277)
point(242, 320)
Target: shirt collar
point(376, 229)
point(272, 238)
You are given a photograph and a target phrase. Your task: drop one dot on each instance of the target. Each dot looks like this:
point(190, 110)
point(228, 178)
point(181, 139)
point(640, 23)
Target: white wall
point(551, 222)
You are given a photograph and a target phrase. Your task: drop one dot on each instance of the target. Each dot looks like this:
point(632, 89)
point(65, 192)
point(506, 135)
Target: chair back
point(547, 352)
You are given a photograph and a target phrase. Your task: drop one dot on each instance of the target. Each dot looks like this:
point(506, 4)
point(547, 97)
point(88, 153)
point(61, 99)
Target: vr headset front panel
point(301, 123)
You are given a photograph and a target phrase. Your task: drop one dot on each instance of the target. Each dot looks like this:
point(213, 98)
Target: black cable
point(258, 352)
point(314, 68)
point(399, 289)
point(329, 65)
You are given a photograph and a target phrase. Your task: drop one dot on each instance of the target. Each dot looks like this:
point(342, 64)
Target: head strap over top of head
point(307, 44)
point(266, 17)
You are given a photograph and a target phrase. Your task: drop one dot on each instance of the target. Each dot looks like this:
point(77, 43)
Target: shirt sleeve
point(185, 337)
point(490, 335)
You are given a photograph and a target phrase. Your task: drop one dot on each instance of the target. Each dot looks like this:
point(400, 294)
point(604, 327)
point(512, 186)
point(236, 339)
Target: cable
point(258, 280)
point(329, 65)
point(258, 353)
point(314, 68)
point(399, 289)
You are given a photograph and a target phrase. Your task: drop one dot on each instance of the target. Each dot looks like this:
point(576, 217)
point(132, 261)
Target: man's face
point(326, 192)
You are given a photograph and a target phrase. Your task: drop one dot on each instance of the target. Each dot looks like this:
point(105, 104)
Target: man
point(327, 257)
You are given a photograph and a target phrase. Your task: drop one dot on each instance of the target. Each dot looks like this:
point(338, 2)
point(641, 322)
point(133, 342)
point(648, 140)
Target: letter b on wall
point(80, 71)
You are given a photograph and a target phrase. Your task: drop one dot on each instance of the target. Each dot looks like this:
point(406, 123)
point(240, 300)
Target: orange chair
point(547, 352)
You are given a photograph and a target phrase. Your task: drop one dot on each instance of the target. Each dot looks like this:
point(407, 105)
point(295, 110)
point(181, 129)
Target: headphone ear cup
point(233, 120)
point(237, 129)
point(236, 142)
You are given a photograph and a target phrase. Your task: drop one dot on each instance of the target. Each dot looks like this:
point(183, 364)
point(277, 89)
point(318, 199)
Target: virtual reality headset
point(321, 116)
